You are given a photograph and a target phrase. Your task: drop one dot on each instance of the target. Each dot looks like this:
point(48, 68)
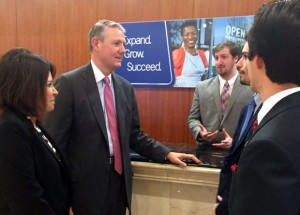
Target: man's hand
point(207, 135)
point(214, 207)
point(176, 158)
point(226, 143)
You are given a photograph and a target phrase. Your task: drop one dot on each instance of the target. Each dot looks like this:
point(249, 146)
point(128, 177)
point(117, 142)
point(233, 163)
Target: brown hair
point(234, 49)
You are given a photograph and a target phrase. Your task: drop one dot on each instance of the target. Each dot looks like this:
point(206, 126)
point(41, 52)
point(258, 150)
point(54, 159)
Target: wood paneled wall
point(57, 29)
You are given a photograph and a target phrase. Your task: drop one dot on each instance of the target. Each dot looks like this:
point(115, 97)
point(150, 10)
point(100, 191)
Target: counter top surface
point(209, 158)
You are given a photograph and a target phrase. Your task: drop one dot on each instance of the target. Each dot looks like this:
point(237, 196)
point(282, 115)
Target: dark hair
point(275, 37)
point(186, 24)
point(234, 49)
point(9, 55)
point(23, 80)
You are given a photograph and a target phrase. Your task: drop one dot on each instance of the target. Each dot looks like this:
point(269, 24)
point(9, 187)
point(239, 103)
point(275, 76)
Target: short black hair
point(186, 24)
point(23, 80)
point(275, 37)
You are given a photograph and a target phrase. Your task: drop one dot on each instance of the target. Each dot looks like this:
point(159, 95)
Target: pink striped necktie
point(225, 97)
point(113, 126)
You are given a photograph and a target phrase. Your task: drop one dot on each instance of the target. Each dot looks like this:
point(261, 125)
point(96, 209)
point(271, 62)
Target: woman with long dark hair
point(33, 172)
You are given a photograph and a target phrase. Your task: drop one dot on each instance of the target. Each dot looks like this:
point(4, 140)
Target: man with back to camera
point(242, 134)
point(206, 116)
point(266, 178)
point(96, 122)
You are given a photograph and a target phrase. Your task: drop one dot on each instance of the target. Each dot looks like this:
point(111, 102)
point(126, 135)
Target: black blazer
point(232, 158)
point(33, 180)
point(78, 125)
point(267, 180)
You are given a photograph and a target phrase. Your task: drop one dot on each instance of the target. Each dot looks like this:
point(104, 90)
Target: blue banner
point(147, 61)
point(157, 56)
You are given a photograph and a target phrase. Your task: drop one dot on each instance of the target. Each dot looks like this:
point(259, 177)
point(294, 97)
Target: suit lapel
point(45, 143)
point(91, 89)
point(247, 133)
point(120, 104)
point(234, 94)
point(286, 103)
point(215, 91)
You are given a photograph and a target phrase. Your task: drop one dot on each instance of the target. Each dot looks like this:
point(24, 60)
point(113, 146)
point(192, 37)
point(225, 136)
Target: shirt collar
point(274, 99)
point(257, 99)
point(230, 81)
point(98, 74)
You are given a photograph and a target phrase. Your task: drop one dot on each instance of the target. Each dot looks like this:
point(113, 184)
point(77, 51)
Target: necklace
point(44, 137)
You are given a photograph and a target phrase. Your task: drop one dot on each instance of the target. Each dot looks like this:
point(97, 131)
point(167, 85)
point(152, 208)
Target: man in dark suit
point(242, 134)
point(82, 125)
point(266, 178)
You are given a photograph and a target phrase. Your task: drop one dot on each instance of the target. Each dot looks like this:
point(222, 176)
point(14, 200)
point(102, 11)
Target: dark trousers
point(116, 198)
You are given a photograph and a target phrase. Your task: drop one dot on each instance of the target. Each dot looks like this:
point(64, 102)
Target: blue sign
point(148, 60)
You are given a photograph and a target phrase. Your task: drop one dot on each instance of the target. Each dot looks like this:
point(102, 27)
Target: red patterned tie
point(113, 127)
point(225, 97)
point(254, 125)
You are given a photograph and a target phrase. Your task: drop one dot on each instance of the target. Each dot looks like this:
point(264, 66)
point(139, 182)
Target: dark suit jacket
point(33, 180)
point(232, 157)
point(267, 180)
point(78, 125)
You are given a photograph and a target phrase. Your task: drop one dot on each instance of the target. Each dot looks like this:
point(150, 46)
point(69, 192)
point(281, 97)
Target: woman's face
point(189, 36)
point(51, 93)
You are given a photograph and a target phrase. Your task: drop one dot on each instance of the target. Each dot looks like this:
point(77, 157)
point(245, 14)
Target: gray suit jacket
point(206, 107)
point(78, 125)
